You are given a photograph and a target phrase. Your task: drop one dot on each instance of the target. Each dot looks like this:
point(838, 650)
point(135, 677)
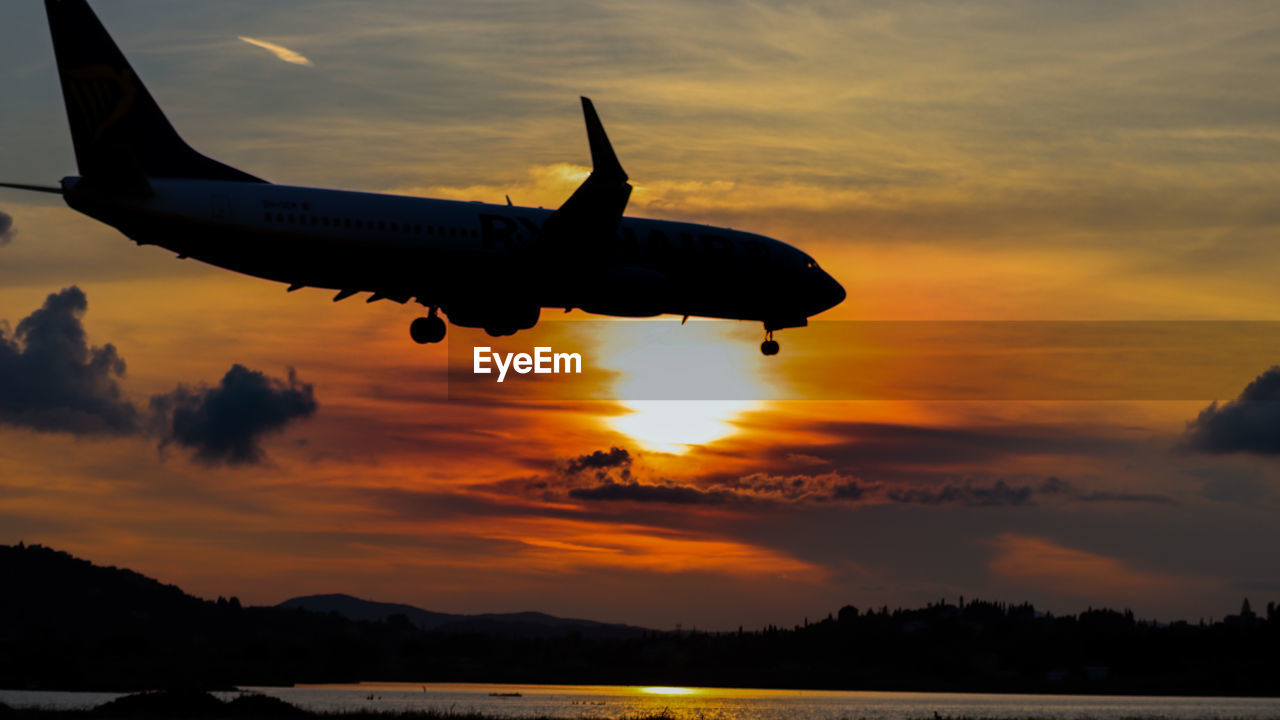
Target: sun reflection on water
point(668, 690)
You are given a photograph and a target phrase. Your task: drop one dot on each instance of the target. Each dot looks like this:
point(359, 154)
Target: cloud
point(51, 380)
point(225, 423)
point(1040, 563)
point(7, 233)
point(968, 493)
point(1250, 423)
point(616, 457)
point(824, 488)
point(806, 459)
point(638, 492)
point(279, 51)
point(765, 489)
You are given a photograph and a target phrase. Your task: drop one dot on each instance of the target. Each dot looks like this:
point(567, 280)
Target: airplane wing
point(590, 216)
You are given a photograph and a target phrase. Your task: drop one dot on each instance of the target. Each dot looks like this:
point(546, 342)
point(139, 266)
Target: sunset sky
point(985, 161)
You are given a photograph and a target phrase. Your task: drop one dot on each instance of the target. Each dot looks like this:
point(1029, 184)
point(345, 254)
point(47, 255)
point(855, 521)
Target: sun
point(676, 426)
point(684, 385)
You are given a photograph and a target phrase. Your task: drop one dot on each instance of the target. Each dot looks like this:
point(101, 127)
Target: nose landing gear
point(430, 329)
point(769, 346)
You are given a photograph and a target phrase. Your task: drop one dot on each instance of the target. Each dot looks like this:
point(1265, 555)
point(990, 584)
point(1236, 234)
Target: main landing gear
point(430, 329)
point(769, 346)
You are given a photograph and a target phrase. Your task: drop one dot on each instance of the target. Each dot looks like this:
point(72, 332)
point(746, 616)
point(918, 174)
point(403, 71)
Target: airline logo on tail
point(102, 95)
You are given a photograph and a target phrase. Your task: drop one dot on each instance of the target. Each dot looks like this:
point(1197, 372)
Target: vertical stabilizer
point(118, 130)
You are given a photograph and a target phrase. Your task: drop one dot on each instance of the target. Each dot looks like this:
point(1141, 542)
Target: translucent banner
point(613, 360)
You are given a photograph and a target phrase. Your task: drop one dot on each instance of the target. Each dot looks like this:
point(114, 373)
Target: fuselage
point(486, 266)
point(482, 263)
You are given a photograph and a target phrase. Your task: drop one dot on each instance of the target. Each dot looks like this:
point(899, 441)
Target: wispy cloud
point(279, 51)
point(1037, 562)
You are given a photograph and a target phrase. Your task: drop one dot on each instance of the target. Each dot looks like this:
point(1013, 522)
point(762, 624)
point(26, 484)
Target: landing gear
point(430, 329)
point(769, 346)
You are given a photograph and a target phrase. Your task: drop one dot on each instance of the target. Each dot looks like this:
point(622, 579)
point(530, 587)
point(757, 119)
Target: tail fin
point(118, 130)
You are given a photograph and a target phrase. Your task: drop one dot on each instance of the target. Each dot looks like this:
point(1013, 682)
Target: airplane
point(488, 266)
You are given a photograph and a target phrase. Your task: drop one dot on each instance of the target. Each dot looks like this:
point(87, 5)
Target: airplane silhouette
point(484, 265)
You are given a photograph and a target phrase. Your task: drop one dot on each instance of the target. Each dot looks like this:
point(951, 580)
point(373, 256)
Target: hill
point(523, 624)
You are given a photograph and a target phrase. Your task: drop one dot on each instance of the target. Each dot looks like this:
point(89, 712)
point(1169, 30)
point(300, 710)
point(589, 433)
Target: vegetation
point(71, 625)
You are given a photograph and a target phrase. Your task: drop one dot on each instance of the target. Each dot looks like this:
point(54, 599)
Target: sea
point(693, 703)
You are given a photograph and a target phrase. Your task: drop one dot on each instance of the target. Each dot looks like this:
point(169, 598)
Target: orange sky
point(987, 162)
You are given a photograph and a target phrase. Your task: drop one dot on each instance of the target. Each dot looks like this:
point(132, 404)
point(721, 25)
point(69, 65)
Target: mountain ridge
point(525, 623)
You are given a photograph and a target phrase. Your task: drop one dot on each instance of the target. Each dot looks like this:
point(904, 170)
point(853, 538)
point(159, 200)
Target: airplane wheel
point(426, 330)
point(769, 347)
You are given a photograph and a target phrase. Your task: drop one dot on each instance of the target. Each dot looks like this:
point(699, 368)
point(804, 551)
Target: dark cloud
point(51, 380)
point(225, 423)
point(827, 487)
point(1001, 493)
point(762, 489)
point(667, 493)
point(616, 457)
point(7, 232)
point(754, 489)
point(1250, 423)
point(1126, 497)
point(967, 493)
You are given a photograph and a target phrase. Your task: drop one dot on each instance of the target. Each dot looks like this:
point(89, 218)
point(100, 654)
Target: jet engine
point(496, 321)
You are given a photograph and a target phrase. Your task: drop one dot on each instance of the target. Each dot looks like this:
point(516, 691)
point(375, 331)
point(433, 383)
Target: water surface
point(615, 701)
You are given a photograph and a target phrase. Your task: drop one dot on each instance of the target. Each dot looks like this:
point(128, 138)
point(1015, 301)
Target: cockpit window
point(811, 264)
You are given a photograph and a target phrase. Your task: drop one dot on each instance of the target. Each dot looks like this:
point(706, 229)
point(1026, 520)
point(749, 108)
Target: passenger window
point(292, 218)
point(359, 224)
point(382, 225)
point(279, 217)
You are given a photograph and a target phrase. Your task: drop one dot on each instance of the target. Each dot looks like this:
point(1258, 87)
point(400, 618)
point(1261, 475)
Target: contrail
point(279, 51)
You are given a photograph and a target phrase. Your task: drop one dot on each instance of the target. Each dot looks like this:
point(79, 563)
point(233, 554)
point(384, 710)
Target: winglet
point(603, 159)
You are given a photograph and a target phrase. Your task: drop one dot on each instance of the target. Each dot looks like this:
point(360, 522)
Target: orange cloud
point(562, 545)
point(1038, 563)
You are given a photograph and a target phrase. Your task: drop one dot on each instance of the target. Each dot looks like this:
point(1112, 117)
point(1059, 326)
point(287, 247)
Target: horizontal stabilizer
point(33, 188)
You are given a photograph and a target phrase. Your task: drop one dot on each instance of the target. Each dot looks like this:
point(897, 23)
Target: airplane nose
point(832, 293)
